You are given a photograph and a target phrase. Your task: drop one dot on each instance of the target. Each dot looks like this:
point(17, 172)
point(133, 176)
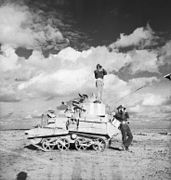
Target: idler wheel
point(36, 141)
point(99, 144)
point(81, 144)
point(48, 144)
point(63, 144)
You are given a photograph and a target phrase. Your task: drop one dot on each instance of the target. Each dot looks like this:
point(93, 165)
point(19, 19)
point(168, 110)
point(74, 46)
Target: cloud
point(20, 26)
point(152, 113)
point(143, 60)
point(135, 61)
point(62, 82)
point(71, 71)
point(142, 82)
point(153, 100)
point(165, 54)
point(60, 75)
point(8, 59)
point(150, 106)
point(115, 88)
point(168, 100)
point(136, 109)
point(70, 54)
point(147, 98)
point(8, 91)
point(9, 98)
point(141, 37)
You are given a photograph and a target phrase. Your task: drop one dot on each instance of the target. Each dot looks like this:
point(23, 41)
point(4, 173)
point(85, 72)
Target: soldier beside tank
point(122, 116)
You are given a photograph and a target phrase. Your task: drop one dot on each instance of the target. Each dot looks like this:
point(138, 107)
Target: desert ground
point(149, 158)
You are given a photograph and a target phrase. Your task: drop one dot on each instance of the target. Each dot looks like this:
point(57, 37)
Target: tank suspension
point(63, 144)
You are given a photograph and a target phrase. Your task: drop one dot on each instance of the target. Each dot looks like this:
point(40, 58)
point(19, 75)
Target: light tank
point(84, 123)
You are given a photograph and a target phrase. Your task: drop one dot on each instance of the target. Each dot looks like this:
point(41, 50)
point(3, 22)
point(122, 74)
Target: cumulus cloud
point(136, 109)
point(8, 92)
point(150, 106)
point(9, 98)
point(135, 61)
point(153, 100)
point(141, 37)
point(143, 60)
point(115, 88)
point(142, 82)
point(59, 75)
point(8, 59)
point(11, 31)
point(70, 54)
point(22, 27)
point(165, 54)
point(62, 82)
point(147, 99)
point(71, 71)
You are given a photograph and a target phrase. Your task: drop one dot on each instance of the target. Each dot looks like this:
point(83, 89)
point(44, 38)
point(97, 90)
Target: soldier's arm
point(127, 115)
point(117, 117)
point(95, 74)
point(104, 72)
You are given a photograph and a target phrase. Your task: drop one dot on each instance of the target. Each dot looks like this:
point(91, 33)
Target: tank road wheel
point(63, 144)
point(99, 144)
point(81, 144)
point(48, 144)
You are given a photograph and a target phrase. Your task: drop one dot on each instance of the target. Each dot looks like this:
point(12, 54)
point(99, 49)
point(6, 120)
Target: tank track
point(51, 143)
point(82, 141)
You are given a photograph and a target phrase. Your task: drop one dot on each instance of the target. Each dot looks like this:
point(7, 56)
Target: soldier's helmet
point(121, 107)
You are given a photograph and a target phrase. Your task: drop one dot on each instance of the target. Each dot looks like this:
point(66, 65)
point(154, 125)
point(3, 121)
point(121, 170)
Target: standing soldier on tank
point(99, 73)
point(127, 136)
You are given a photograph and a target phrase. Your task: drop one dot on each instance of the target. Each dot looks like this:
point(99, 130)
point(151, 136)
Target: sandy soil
point(150, 159)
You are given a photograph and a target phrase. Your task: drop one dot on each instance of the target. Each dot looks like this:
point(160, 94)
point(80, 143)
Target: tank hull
point(82, 137)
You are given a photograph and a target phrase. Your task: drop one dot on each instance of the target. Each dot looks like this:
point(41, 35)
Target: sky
point(49, 50)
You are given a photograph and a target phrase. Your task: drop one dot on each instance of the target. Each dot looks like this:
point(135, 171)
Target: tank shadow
point(115, 148)
point(31, 147)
